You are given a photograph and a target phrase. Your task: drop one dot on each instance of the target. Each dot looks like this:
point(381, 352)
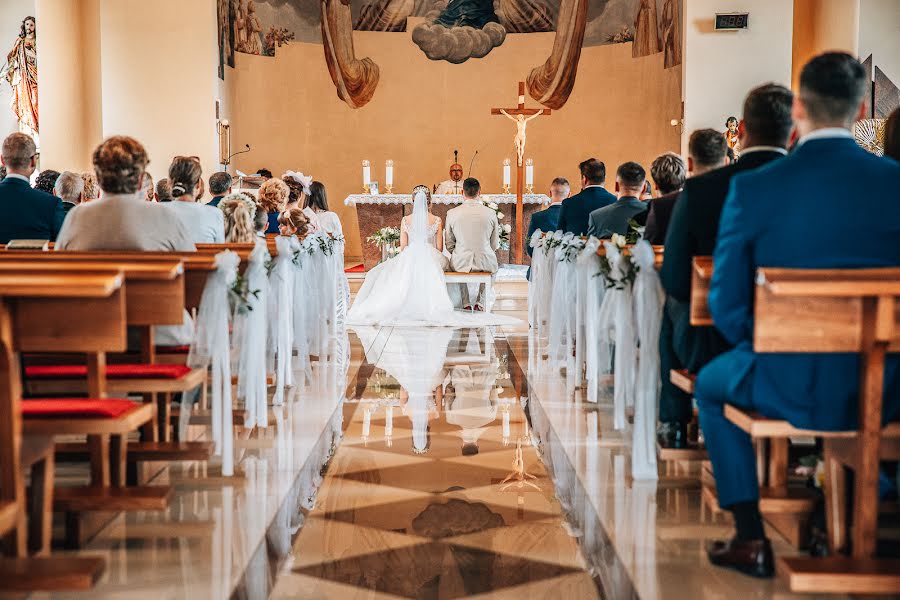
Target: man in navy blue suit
point(25, 213)
point(821, 207)
point(576, 211)
point(548, 219)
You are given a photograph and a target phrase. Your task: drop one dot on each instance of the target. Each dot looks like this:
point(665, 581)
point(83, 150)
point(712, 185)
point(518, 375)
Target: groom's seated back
point(472, 233)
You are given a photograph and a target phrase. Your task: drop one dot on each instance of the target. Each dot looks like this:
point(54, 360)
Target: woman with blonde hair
point(240, 215)
point(273, 195)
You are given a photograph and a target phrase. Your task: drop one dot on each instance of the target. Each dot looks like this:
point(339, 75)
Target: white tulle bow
point(303, 180)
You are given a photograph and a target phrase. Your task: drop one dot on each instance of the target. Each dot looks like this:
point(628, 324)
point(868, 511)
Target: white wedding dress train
point(410, 290)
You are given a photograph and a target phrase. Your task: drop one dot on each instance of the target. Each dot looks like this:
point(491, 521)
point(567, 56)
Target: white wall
point(11, 14)
point(879, 34)
point(721, 67)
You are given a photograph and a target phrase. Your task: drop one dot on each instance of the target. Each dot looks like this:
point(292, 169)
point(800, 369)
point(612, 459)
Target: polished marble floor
point(426, 463)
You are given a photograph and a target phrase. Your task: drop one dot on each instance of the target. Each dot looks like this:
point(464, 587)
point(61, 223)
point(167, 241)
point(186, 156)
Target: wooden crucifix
point(521, 116)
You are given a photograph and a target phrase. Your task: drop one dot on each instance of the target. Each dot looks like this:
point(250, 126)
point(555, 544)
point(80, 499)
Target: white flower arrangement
point(386, 236)
point(537, 239)
point(505, 228)
point(570, 248)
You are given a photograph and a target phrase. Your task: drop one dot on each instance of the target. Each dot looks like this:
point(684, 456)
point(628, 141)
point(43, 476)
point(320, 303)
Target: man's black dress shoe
point(753, 557)
point(673, 436)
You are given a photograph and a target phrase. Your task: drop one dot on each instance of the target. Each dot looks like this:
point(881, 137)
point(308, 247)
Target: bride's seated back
point(435, 225)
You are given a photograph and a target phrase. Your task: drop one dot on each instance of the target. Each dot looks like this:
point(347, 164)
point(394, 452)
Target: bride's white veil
point(418, 228)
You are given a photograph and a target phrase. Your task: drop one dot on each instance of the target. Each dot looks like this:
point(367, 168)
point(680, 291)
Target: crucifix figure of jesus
point(521, 116)
point(521, 124)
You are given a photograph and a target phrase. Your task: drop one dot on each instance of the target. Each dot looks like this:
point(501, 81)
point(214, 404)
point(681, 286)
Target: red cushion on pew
point(173, 349)
point(75, 407)
point(132, 371)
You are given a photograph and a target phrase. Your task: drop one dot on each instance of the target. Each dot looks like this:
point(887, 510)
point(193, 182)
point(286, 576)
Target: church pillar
point(823, 25)
point(68, 82)
point(159, 70)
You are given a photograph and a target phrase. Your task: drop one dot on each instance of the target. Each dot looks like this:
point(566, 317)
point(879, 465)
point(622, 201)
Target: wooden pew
point(74, 292)
point(154, 296)
point(863, 308)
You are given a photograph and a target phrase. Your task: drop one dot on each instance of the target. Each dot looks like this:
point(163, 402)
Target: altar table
point(386, 210)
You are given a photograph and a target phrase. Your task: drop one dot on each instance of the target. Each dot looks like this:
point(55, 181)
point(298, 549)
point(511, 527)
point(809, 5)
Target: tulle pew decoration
point(649, 299)
point(281, 314)
point(249, 338)
point(211, 348)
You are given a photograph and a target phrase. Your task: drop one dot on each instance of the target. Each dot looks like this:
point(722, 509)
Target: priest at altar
point(386, 210)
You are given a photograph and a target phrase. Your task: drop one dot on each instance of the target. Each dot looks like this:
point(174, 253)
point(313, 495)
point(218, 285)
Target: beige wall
point(158, 65)
point(822, 25)
point(879, 35)
point(287, 109)
point(722, 66)
point(69, 82)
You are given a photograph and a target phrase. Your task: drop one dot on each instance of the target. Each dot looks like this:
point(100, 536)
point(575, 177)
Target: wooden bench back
point(197, 266)
point(825, 310)
point(154, 294)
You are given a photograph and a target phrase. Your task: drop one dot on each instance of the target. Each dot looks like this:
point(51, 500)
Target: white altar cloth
point(354, 199)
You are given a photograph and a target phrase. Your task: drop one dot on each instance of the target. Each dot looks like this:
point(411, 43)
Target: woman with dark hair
point(206, 224)
point(892, 136)
point(316, 208)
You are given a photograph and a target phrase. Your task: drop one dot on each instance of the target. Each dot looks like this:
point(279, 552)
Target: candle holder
point(529, 189)
point(506, 189)
point(389, 177)
point(367, 177)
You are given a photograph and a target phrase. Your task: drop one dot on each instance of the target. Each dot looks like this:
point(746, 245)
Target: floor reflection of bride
point(410, 290)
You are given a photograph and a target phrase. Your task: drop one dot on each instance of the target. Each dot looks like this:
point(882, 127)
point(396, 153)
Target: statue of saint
point(21, 73)
point(468, 13)
point(521, 124)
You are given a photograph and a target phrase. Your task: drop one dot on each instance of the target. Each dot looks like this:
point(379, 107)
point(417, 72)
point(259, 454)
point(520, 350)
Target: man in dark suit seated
point(821, 207)
point(219, 187)
point(764, 130)
point(631, 181)
point(668, 172)
point(548, 219)
point(26, 213)
point(576, 211)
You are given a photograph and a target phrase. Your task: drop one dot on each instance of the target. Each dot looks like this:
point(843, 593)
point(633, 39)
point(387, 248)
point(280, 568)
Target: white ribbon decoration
point(250, 334)
point(649, 299)
point(211, 348)
point(587, 269)
point(281, 308)
point(304, 180)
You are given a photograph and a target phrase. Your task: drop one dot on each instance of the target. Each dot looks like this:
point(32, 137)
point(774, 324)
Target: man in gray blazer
point(631, 180)
point(472, 236)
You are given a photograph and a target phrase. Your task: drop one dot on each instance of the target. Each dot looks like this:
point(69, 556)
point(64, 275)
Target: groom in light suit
point(472, 236)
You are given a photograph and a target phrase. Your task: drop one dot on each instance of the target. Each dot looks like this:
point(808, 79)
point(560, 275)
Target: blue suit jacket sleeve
point(59, 215)
point(532, 227)
point(678, 258)
point(563, 217)
point(731, 290)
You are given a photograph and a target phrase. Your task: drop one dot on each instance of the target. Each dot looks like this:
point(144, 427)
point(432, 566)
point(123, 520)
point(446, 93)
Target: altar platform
point(386, 210)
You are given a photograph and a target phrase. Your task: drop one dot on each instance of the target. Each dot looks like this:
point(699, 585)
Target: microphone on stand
point(247, 146)
point(472, 163)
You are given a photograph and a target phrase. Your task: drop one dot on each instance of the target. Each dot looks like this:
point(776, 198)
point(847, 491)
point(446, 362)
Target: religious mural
point(454, 31)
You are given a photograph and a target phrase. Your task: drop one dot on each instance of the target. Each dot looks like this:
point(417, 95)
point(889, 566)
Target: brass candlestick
point(529, 189)
point(506, 189)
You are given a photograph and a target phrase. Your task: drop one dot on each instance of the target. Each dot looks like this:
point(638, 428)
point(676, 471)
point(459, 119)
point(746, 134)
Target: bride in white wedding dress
point(410, 290)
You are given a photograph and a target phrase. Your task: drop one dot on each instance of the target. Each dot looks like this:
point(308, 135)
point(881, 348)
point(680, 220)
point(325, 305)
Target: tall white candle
point(529, 172)
point(367, 173)
point(507, 172)
point(389, 173)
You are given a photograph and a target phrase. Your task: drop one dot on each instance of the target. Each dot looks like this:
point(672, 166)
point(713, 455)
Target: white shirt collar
point(752, 149)
point(17, 176)
point(826, 133)
point(599, 185)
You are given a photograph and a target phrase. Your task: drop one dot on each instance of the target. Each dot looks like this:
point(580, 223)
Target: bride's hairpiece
point(304, 180)
point(420, 188)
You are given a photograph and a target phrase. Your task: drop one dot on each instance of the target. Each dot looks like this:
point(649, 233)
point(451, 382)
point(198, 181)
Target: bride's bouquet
point(505, 228)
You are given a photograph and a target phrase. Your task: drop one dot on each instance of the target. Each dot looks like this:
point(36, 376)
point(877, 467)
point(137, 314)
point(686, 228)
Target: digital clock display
point(732, 21)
